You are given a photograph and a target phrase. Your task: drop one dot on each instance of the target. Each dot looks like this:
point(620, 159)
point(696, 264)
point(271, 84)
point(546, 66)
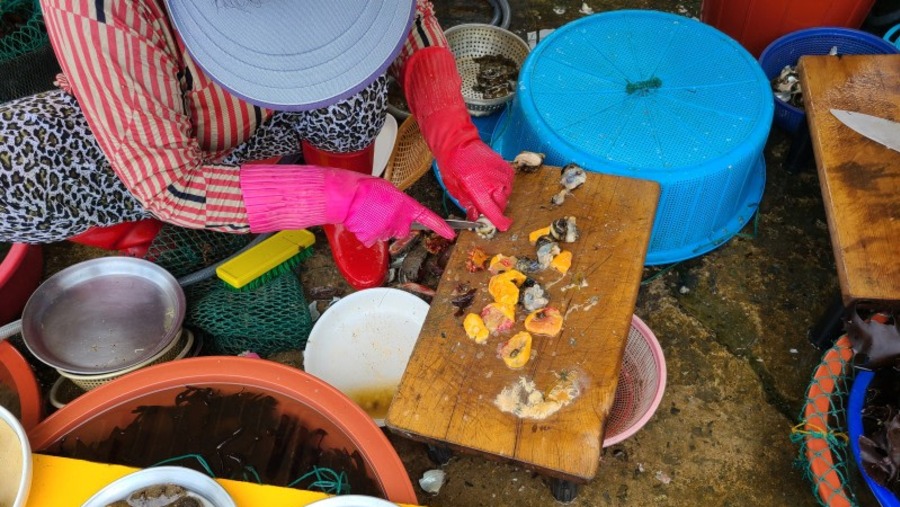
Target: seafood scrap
point(475, 328)
point(498, 318)
point(496, 76)
point(417, 289)
point(786, 86)
point(523, 399)
point(546, 321)
point(487, 230)
point(572, 177)
point(528, 161)
point(477, 260)
point(462, 298)
point(533, 296)
point(565, 230)
point(501, 263)
point(516, 351)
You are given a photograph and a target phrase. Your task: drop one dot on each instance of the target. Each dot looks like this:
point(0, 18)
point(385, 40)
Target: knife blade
point(880, 130)
point(453, 223)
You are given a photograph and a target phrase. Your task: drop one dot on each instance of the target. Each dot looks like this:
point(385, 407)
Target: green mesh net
point(822, 433)
point(271, 318)
point(21, 28)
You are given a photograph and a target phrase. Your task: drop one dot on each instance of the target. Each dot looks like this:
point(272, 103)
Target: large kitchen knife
point(880, 130)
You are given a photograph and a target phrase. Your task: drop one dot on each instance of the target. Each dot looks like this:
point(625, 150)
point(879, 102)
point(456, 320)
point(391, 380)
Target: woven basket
point(177, 349)
point(411, 157)
point(470, 41)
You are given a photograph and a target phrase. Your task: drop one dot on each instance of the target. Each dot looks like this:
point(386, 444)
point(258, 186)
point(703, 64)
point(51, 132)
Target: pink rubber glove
point(279, 197)
point(473, 173)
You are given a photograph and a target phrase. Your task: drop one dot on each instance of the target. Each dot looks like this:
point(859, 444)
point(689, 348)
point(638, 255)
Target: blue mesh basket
point(656, 96)
point(788, 49)
point(855, 427)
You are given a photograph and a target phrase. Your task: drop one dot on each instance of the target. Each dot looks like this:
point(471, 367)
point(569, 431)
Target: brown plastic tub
point(94, 415)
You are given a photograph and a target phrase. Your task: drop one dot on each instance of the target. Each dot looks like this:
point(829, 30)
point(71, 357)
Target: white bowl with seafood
point(161, 486)
point(15, 461)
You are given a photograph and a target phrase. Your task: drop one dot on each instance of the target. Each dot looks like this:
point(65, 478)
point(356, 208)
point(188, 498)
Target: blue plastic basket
point(893, 36)
point(657, 96)
point(788, 49)
point(855, 427)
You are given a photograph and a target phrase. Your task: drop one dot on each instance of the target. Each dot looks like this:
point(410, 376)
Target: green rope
point(755, 232)
point(334, 484)
point(253, 471)
point(659, 273)
point(643, 86)
point(198, 457)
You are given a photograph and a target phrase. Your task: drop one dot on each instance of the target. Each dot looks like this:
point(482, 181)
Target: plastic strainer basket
point(788, 49)
point(642, 382)
point(655, 96)
point(473, 40)
point(410, 158)
point(177, 349)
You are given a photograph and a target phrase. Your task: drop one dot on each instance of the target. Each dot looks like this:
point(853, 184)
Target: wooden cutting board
point(860, 179)
point(447, 393)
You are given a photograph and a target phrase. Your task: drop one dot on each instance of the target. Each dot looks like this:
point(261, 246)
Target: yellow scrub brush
point(280, 252)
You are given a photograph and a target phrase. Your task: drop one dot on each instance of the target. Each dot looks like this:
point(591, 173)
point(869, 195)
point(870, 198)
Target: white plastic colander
point(642, 382)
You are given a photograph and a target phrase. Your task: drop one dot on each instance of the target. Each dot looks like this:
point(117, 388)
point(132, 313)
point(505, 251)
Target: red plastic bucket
point(20, 274)
point(756, 23)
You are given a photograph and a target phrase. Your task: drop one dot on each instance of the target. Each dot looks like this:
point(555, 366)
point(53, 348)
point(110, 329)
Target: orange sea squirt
point(475, 328)
point(498, 317)
point(546, 321)
point(517, 350)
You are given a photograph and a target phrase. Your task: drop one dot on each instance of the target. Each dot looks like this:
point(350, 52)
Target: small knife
point(453, 223)
point(880, 130)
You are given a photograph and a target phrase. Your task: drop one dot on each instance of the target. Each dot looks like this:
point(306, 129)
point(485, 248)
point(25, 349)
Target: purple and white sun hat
point(293, 55)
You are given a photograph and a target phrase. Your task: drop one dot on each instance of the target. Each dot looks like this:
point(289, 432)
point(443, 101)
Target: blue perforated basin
point(657, 96)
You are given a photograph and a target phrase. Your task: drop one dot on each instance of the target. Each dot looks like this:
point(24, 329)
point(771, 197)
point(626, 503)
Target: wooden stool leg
point(563, 491)
point(439, 455)
point(801, 152)
point(830, 325)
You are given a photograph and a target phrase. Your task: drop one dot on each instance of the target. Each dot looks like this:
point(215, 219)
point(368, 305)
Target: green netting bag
point(21, 28)
point(271, 318)
point(185, 251)
point(265, 320)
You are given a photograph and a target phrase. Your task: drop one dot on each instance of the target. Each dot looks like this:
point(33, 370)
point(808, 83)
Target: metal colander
point(470, 41)
point(642, 381)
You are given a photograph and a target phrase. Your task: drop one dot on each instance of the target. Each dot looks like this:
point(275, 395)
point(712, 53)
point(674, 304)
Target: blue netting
point(656, 96)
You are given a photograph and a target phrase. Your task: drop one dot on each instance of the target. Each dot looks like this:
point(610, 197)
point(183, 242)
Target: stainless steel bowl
point(103, 315)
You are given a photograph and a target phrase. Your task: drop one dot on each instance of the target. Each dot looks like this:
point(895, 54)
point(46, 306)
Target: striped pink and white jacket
point(160, 121)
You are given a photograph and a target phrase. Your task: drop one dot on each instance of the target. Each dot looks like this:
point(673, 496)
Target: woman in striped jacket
point(167, 106)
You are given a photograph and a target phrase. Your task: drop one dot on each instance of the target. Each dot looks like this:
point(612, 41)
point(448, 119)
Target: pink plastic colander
point(642, 381)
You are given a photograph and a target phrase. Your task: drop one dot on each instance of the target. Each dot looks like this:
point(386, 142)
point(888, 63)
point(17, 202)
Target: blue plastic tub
point(657, 96)
point(855, 426)
point(788, 49)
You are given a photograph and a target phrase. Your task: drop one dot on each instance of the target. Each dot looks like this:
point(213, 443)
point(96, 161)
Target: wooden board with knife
point(448, 392)
point(859, 175)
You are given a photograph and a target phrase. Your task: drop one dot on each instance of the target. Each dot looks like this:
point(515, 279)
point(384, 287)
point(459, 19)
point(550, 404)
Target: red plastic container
point(20, 274)
point(756, 23)
point(16, 373)
point(93, 415)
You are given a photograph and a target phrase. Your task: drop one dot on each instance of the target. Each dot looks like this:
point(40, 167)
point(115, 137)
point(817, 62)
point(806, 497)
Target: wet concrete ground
point(732, 324)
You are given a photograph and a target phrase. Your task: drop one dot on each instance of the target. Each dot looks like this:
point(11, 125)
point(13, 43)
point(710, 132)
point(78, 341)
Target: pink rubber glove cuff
point(281, 197)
